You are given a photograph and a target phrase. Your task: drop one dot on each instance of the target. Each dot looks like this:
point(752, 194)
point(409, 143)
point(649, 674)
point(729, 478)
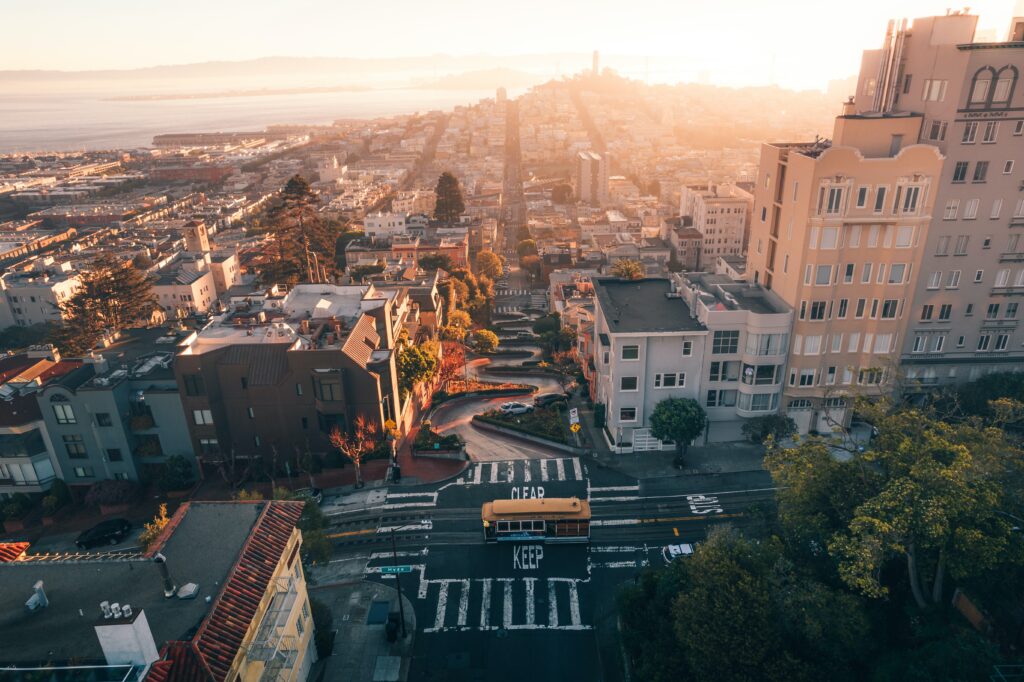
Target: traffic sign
point(574, 416)
point(575, 427)
point(391, 570)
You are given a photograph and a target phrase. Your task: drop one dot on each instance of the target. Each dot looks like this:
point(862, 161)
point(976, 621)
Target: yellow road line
point(676, 531)
point(364, 531)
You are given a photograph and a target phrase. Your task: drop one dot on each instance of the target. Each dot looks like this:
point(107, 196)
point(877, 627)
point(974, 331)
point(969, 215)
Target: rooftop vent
point(38, 601)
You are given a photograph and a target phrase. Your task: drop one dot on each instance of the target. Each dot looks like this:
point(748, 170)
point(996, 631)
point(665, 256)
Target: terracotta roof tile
point(12, 551)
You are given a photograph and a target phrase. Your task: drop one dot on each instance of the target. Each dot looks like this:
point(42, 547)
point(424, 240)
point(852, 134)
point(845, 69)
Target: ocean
point(70, 121)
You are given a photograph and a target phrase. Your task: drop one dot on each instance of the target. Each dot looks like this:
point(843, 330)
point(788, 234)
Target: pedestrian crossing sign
point(575, 428)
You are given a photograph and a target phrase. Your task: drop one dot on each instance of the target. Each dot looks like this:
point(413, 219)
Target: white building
point(187, 285)
point(384, 225)
point(34, 298)
point(698, 338)
point(721, 213)
point(592, 178)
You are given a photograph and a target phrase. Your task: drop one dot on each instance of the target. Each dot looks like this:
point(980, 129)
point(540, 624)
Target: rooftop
point(642, 305)
point(221, 546)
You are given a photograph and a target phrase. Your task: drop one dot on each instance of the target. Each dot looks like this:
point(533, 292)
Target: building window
point(799, 404)
point(202, 417)
point(1011, 311)
point(767, 344)
point(760, 375)
point(880, 199)
point(721, 398)
point(945, 311)
point(298, 389)
point(725, 342)
point(862, 197)
point(980, 171)
point(114, 455)
point(983, 341)
point(823, 275)
point(806, 377)
point(194, 384)
point(961, 245)
point(979, 275)
point(860, 308)
point(1001, 341)
point(934, 280)
point(630, 353)
point(75, 446)
point(64, 414)
point(926, 312)
point(970, 132)
point(251, 412)
point(991, 132)
point(1007, 167)
point(919, 343)
point(910, 198)
point(724, 371)
point(934, 90)
point(103, 419)
point(843, 304)
point(628, 384)
point(759, 402)
point(687, 348)
point(960, 171)
point(835, 200)
point(937, 132)
point(952, 207)
point(896, 273)
point(209, 446)
point(84, 472)
point(330, 390)
point(817, 310)
point(627, 414)
point(670, 380)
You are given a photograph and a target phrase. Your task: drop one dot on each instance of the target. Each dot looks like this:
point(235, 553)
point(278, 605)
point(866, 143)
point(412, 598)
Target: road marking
point(388, 555)
point(485, 603)
point(543, 469)
point(494, 472)
point(615, 522)
point(506, 616)
point(476, 473)
point(526, 471)
point(675, 531)
point(560, 468)
point(596, 500)
point(426, 525)
point(626, 548)
point(349, 533)
point(574, 604)
point(614, 564)
point(396, 495)
point(464, 603)
point(577, 469)
point(530, 606)
point(407, 505)
point(615, 489)
point(552, 606)
point(442, 604)
point(371, 570)
point(511, 472)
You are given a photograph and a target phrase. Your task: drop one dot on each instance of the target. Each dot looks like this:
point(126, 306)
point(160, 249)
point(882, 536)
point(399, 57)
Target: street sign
point(574, 416)
point(391, 570)
point(575, 428)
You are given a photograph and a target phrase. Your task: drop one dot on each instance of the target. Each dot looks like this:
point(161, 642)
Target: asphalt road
point(515, 611)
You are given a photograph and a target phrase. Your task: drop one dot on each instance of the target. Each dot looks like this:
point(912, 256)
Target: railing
point(27, 484)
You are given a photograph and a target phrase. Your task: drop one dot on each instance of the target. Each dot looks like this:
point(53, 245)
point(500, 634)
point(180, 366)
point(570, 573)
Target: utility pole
point(398, 581)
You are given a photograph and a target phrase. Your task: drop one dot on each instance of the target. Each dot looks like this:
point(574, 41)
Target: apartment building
point(839, 234)
point(187, 285)
point(704, 337)
point(384, 225)
point(119, 415)
point(965, 316)
point(221, 595)
point(591, 178)
point(28, 298)
point(721, 213)
point(273, 378)
point(26, 461)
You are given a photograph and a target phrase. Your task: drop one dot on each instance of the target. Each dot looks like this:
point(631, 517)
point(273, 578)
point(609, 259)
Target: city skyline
point(685, 43)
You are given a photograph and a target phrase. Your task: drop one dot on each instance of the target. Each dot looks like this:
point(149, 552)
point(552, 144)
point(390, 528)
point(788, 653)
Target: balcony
point(37, 486)
point(1011, 257)
point(141, 422)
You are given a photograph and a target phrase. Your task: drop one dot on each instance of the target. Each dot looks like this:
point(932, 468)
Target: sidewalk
point(361, 649)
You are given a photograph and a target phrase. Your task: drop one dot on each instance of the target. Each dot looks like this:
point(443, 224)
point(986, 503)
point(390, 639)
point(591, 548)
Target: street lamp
point(398, 576)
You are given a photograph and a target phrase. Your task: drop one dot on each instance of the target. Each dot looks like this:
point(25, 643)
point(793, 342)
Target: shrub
point(17, 506)
point(778, 426)
point(177, 474)
point(323, 624)
point(110, 493)
point(152, 529)
point(51, 503)
point(61, 491)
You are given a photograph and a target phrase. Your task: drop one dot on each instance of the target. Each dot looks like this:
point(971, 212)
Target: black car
point(108, 532)
point(548, 399)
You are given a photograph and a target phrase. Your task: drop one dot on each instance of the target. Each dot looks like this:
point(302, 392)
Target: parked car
point(108, 532)
point(547, 399)
point(672, 552)
point(515, 408)
point(315, 494)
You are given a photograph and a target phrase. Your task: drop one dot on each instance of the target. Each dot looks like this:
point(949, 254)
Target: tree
point(777, 426)
point(356, 445)
point(552, 322)
point(449, 204)
point(436, 261)
point(415, 364)
point(628, 269)
point(177, 474)
point(937, 509)
point(112, 296)
point(460, 318)
point(302, 244)
point(485, 341)
point(453, 359)
point(679, 420)
point(152, 529)
point(489, 264)
point(360, 272)
point(526, 247)
point(562, 194)
point(531, 264)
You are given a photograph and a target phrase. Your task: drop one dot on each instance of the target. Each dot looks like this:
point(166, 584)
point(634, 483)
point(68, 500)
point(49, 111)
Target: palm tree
point(628, 269)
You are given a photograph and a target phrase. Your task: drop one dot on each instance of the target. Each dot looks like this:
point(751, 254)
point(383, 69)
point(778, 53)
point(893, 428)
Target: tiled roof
point(212, 651)
point(12, 551)
point(361, 341)
point(267, 363)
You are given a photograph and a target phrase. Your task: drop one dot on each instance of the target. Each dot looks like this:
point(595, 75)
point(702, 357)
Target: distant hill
point(277, 67)
point(488, 79)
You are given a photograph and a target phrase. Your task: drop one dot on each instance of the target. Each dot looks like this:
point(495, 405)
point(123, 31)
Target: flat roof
point(641, 305)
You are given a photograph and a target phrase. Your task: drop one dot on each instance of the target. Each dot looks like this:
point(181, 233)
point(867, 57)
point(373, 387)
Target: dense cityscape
point(600, 379)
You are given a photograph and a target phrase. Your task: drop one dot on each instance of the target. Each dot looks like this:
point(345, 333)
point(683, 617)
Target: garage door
point(643, 441)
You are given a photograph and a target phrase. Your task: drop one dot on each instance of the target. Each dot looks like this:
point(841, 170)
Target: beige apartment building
point(839, 232)
point(965, 316)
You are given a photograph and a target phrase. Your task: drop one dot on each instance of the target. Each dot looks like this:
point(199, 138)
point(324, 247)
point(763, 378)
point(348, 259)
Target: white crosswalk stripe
point(410, 500)
point(517, 600)
point(513, 471)
point(613, 493)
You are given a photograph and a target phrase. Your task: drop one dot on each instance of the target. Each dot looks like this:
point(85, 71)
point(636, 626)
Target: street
point(517, 610)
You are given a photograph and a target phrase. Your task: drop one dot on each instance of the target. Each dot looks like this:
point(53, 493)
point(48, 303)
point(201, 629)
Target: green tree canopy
point(552, 322)
point(777, 426)
point(526, 247)
point(415, 364)
point(562, 194)
point(489, 264)
point(485, 341)
point(436, 261)
point(628, 269)
point(679, 420)
point(303, 245)
point(449, 204)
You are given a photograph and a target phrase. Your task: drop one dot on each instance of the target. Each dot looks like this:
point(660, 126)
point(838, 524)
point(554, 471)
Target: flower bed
point(543, 423)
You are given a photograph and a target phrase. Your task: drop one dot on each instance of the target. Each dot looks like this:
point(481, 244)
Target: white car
point(671, 552)
point(515, 408)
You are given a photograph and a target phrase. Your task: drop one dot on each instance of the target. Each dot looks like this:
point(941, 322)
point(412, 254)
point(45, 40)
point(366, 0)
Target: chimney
point(169, 586)
point(98, 362)
point(848, 107)
point(125, 636)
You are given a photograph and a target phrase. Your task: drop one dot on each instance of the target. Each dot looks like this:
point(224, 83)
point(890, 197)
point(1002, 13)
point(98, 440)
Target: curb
point(526, 438)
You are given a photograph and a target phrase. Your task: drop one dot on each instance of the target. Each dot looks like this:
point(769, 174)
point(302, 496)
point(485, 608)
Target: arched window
point(1005, 84)
point(981, 85)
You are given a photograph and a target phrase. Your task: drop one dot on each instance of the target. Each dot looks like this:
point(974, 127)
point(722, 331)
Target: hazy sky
point(796, 43)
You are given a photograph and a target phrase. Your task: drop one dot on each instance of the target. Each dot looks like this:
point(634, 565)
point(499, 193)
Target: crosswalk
point(617, 556)
point(410, 500)
point(524, 471)
point(508, 309)
point(513, 292)
point(612, 493)
point(503, 603)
